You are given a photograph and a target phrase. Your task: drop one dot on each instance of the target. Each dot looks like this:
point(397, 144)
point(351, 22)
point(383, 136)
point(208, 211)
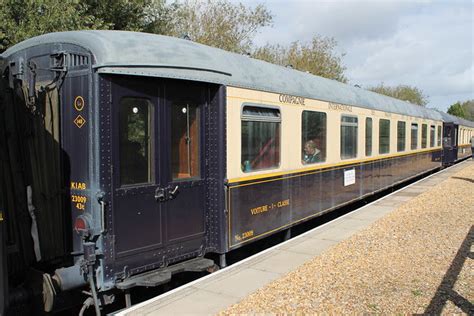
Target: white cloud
point(428, 44)
point(431, 49)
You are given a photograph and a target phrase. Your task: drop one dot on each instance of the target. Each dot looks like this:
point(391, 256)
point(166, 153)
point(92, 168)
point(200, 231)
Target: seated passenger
point(311, 153)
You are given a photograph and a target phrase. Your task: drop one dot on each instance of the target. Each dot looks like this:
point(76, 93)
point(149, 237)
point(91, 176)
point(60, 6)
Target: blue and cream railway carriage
point(133, 153)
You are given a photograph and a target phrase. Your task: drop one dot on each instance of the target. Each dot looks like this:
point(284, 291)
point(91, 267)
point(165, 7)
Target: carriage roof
point(142, 54)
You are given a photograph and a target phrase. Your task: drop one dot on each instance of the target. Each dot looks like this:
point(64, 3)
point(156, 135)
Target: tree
point(219, 23)
point(317, 57)
point(468, 108)
point(402, 92)
point(456, 110)
point(22, 19)
point(463, 110)
point(151, 16)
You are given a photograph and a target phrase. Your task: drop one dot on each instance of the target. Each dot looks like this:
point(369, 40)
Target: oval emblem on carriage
point(79, 103)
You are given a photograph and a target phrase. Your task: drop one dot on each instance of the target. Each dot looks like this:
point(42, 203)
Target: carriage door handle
point(172, 193)
point(160, 195)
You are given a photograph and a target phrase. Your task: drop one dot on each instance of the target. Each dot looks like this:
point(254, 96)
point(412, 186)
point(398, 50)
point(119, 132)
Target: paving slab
point(372, 212)
point(390, 202)
point(283, 262)
point(354, 223)
point(294, 242)
point(322, 229)
point(168, 300)
point(414, 189)
point(197, 303)
point(241, 284)
point(256, 259)
point(400, 198)
point(337, 234)
point(312, 246)
point(410, 194)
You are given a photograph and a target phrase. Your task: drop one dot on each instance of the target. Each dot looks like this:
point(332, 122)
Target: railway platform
point(409, 252)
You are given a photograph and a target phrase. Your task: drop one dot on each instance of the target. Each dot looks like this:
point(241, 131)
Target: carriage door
point(450, 143)
point(184, 173)
point(136, 176)
point(159, 187)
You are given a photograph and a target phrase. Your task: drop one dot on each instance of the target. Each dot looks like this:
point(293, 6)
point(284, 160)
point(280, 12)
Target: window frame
point(348, 124)
point(404, 123)
point(250, 118)
point(325, 136)
point(424, 128)
point(439, 136)
point(414, 134)
point(151, 143)
point(371, 147)
point(432, 136)
point(380, 136)
point(199, 175)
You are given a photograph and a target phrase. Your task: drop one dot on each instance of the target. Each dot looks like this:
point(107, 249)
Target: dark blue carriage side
point(293, 198)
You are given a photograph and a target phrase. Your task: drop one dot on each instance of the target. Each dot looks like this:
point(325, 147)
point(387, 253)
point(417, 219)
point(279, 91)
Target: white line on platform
point(144, 303)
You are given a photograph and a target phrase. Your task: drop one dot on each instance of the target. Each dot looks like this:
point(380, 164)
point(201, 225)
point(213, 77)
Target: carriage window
point(432, 135)
point(424, 135)
point(439, 136)
point(135, 141)
point(414, 136)
point(384, 136)
point(184, 141)
point(368, 136)
point(401, 135)
point(349, 126)
point(313, 137)
point(260, 138)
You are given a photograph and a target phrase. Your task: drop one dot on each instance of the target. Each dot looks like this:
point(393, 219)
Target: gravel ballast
point(414, 260)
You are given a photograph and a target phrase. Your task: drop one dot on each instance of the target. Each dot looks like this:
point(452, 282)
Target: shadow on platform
point(465, 179)
point(445, 291)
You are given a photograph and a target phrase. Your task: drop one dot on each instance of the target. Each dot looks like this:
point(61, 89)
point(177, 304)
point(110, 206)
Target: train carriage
point(134, 155)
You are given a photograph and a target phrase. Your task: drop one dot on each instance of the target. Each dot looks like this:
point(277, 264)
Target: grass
point(373, 307)
point(416, 292)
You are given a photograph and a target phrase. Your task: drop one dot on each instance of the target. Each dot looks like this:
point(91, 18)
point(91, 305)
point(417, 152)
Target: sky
point(426, 44)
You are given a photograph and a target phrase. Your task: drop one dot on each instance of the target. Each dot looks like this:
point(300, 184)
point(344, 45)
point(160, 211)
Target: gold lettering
point(283, 203)
point(266, 208)
point(78, 185)
point(285, 98)
point(258, 210)
point(78, 199)
point(247, 234)
point(244, 235)
point(339, 107)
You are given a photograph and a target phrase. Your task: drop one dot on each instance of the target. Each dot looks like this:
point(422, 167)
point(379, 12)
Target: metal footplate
point(158, 277)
